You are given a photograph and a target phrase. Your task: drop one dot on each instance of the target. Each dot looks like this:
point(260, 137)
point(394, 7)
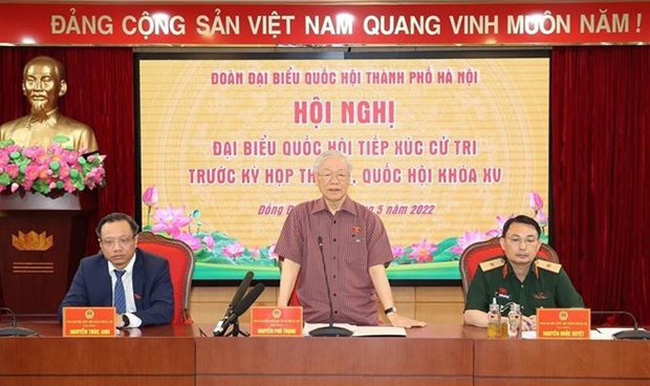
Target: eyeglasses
point(328, 175)
point(514, 240)
point(123, 241)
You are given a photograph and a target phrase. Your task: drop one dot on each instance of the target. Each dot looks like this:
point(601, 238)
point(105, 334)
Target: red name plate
point(563, 323)
point(276, 321)
point(89, 322)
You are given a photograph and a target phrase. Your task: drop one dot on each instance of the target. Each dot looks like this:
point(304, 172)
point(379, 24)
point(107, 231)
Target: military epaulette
point(492, 264)
point(548, 265)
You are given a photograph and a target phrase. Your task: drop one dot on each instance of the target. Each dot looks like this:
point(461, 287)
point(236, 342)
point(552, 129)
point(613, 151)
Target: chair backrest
point(490, 249)
point(181, 267)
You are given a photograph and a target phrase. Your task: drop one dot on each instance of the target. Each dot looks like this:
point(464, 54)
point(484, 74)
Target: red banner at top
point(285, 24)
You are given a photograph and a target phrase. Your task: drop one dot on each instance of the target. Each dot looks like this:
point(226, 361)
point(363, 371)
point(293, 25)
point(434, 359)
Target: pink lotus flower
point(70, 157)
point(422, 251)
point(233, 250)
point(191, 240)
point(535, 201)
point(33, 152)
point(501, 221)
point(397, 252)
point(466, 240)
point(150, 196)
point(255, 253)
point(32, 172)
point(14, 187)
point(69, 187)
point(494, 233)
point(27, 184)
point(12, 170)
point(541, 218)
point(209, 241)
point(272, 254)
point(51, 167)
point(64, 172)
point(170, 220)
point(94, 177)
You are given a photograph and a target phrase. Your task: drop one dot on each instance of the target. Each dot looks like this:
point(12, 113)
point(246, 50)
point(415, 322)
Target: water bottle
point(514, 321)
point(494, 321)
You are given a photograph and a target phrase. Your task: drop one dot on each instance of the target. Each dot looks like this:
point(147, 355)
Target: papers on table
point(360, 330)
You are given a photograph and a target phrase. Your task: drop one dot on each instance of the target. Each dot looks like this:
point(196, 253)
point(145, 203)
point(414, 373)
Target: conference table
point(438, 354)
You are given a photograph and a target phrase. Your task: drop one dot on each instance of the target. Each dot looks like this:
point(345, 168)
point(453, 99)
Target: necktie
point(119, 299)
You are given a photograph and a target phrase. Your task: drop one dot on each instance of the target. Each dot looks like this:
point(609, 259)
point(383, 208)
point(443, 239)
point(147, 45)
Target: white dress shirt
point(127, 281)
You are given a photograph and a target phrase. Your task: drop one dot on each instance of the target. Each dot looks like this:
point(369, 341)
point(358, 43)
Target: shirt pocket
point(543, 300)
point(355, 253)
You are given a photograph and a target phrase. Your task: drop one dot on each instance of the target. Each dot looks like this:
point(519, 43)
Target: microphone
point(241, 290)
point(635, 334)
point(330, 330)
point(14, 330)
point(240, 308)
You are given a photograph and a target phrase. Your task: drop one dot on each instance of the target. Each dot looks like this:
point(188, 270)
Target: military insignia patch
point(540, 296)
point(492, 264)
point(548, 265)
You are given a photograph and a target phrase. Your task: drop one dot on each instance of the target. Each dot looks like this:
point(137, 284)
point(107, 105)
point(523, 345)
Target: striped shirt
point(354, 239)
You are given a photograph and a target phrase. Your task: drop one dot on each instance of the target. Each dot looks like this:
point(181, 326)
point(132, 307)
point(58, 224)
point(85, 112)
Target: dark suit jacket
point(152, 287)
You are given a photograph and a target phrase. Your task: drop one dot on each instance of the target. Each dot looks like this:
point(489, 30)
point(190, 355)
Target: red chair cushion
point(179, 265)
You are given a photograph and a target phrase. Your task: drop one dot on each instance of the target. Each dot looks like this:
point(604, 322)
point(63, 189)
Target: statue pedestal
point(42, 239)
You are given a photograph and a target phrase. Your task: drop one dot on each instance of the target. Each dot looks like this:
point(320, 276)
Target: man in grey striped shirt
point(355, 247)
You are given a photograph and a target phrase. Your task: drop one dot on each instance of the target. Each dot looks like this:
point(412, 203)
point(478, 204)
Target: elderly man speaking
point(355, 248)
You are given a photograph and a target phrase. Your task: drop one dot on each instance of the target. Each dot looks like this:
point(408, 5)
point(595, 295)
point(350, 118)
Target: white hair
point(332, 154)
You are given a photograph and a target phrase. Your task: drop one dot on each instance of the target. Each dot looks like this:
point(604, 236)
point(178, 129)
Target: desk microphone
point(328, 330)
point(240, 308)
point(14, 330)
point(635, 334)
point(241, 290)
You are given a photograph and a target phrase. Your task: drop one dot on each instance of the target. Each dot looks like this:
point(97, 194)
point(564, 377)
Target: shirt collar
point(348, 206)
point(51, 118)
point(509, 271)
point(128, 268)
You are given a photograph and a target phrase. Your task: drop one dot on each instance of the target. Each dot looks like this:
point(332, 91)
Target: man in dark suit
point(136, 283)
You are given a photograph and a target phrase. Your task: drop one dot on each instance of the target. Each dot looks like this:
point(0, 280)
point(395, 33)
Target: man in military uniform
point(521, 278)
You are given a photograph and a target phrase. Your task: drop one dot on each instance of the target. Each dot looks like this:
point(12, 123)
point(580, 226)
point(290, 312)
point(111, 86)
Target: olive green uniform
point(546, 285)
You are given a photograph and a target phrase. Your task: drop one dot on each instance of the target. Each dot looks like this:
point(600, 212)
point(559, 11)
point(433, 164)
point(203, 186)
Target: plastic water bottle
point(514, 321)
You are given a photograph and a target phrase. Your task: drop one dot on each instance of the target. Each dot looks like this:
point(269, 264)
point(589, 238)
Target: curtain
point(600, 118)
point(100, 94)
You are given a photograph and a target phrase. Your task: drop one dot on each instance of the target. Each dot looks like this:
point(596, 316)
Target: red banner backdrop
point(323, 25)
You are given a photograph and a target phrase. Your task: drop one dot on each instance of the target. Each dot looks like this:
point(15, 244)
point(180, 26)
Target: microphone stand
point(635, 334)
point(237, 297)
point(14, 330)
point(330, 330)
point(236, 331)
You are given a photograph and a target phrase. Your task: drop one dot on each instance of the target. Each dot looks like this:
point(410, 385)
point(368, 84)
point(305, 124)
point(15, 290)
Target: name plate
point(276, 321)
point(98, 322)
point(563, 323)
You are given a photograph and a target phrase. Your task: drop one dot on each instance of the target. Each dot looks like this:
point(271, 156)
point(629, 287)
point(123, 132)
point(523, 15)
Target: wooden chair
point(490, 249)
point(181, 267)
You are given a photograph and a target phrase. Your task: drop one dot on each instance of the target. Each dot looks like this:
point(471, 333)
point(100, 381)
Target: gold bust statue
point(43, 85)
